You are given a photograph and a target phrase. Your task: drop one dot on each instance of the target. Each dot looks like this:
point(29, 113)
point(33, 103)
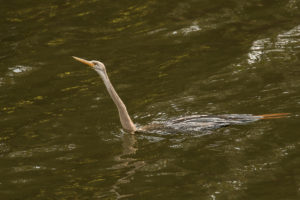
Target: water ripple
point(40, 150)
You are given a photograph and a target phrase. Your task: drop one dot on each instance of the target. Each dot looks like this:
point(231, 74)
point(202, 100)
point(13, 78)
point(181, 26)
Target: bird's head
point(99, 67)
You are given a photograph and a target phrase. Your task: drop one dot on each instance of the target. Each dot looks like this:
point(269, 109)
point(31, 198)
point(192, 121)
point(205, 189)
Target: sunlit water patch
point(284, 46)
point(15, 72)
point(19, 70)
point(187, 30)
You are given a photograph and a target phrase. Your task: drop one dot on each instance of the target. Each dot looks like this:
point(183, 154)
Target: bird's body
point(198, 123)
point(183, 124)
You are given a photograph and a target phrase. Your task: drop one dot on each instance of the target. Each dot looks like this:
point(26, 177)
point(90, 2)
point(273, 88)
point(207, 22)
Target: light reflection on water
point(283, 47)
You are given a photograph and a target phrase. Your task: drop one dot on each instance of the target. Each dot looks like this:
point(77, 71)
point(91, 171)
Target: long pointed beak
point(84, 61)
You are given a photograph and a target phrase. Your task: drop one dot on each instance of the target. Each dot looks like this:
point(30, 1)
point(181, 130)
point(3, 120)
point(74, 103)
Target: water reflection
point(257, 50)
point(13, 73)
point(18, 70)
point(188, 30)
point(125, 161)
point(283, 46)
point(289, 38)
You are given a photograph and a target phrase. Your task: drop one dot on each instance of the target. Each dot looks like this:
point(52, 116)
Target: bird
point(181, 124)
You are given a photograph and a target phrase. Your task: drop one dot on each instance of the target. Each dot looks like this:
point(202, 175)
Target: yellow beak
point(84, 61)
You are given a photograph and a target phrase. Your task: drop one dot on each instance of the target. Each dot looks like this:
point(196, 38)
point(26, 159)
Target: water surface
point(60, 135)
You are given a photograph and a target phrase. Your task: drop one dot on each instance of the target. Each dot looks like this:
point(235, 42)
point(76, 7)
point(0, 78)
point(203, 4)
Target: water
point(60, 136)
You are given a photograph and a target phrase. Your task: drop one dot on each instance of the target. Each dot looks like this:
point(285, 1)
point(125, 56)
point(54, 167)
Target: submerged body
point(191, 123)
point(197, 123)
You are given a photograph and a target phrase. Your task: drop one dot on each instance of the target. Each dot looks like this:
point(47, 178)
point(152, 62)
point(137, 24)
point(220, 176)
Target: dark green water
point(60, 135)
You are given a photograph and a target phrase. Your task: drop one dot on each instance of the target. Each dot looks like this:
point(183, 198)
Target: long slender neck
point(123, 114)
